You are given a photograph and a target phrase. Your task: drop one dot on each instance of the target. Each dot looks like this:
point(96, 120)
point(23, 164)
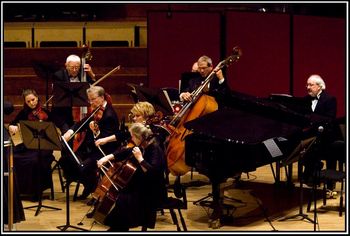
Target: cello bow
point(106, 75)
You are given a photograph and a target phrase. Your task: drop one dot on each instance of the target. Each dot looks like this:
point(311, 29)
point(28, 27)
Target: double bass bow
point(199, 105)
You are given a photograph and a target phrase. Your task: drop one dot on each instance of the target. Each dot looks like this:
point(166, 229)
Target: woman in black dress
point(137, 203)
point(32, 166)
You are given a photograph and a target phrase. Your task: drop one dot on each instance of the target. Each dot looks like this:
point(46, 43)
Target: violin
point(38, 114)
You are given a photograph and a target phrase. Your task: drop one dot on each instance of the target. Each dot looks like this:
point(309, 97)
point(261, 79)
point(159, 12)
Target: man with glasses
point(319, 102)
point(217, 86)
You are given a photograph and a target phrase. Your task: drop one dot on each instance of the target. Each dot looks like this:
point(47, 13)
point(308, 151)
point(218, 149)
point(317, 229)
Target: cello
point(117, 176)
point(200, 105)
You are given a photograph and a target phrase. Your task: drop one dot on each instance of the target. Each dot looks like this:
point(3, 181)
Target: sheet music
point(272, 147)
point(168, 99)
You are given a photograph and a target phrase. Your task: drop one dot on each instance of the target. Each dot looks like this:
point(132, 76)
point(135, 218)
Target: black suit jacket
point(219, 91)
point(108, 125)
point(326, 105)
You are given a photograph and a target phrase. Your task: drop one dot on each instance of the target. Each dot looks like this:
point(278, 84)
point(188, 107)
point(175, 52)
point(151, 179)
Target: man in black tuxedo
point(319, 102)
point(62, 116)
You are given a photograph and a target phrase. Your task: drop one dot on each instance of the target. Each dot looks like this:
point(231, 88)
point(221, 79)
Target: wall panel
point(177, 40)
point(264, 67)
point(319, 48)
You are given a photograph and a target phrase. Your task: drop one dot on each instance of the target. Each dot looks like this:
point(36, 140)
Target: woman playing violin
point(26, 161)
point(101, 124)
point(137, 203)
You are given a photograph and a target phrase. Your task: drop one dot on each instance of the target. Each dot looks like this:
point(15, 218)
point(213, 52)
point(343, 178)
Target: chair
point(178, 203)
point(337, 150)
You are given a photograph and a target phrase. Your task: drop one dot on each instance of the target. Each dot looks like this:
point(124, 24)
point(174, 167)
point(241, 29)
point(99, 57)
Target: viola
point(38, 114)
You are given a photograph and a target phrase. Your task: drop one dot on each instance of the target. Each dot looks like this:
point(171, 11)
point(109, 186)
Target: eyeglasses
point(74, 67)
point(203, 68)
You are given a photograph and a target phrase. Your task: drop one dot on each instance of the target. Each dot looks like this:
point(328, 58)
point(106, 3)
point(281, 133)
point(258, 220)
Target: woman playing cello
point(137, 203)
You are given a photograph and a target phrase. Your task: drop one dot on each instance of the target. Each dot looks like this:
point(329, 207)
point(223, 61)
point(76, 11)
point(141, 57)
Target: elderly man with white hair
point(319, 102)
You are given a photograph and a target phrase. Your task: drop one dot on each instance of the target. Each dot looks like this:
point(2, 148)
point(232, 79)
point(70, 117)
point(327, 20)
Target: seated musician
point(217, 87)
point(137, 203)
point(63, 116)
point(319, 102)
point(101, 124)
point(141, 112)
point(30, 165)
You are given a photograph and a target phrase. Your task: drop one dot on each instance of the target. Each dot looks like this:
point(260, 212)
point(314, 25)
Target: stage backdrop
point(280, 51)
point(319, 48)
point(176, 40)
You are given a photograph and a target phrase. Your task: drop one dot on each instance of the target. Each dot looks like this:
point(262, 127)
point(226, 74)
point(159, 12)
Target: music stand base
point(65, 227)
point(303, 216)
point(40, 206)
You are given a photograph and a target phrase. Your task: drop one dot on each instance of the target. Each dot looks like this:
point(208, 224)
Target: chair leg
point(76, 192)
point(52, 190)
point(174, 218)
point(182, 220)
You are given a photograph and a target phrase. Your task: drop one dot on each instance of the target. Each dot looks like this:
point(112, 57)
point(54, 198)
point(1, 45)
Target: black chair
point(178, 202)
point(337, 150)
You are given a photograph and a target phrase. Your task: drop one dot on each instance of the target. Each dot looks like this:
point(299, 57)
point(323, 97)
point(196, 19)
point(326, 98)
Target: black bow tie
point(314, 98)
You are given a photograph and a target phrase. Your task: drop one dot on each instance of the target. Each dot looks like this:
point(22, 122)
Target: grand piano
point(246, 133)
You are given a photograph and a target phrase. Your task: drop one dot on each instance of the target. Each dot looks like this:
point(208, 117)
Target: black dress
point(137, 203)
point(32, 166)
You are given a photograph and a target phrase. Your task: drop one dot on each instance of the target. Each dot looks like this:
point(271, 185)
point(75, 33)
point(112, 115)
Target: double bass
point(200, 105)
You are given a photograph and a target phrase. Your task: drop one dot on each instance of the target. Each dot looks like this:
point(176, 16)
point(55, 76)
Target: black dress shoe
point(90, 214)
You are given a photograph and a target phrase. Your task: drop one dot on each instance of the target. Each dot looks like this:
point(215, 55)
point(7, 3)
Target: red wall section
point(176, 42)
point(264, 39)
point(319, 48)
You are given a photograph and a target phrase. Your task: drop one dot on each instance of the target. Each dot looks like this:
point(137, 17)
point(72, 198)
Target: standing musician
point(137, 203)
point(63, 116)
point(26, 161)
point(218, 86)
point(102, 124)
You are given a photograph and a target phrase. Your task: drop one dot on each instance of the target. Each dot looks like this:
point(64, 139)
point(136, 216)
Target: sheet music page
point(168, 99)
point(272, 147)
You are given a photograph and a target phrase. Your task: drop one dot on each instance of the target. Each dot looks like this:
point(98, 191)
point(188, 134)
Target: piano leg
point(215, 218)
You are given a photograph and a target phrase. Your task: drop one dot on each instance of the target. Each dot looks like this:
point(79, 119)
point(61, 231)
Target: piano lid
point(239, 126)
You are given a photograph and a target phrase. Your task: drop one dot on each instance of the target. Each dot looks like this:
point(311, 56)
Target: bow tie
point(314, 98)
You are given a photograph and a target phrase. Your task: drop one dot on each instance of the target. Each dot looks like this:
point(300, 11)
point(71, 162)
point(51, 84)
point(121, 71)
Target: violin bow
point(93, 113)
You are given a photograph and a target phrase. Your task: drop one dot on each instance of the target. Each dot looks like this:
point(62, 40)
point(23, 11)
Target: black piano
point(246, 133)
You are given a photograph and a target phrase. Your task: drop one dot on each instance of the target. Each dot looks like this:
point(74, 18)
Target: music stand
point(67, 94)
point(40, 135)
point(68, 182)
point(156, 97)
point(45, 70)
point(299, 155)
